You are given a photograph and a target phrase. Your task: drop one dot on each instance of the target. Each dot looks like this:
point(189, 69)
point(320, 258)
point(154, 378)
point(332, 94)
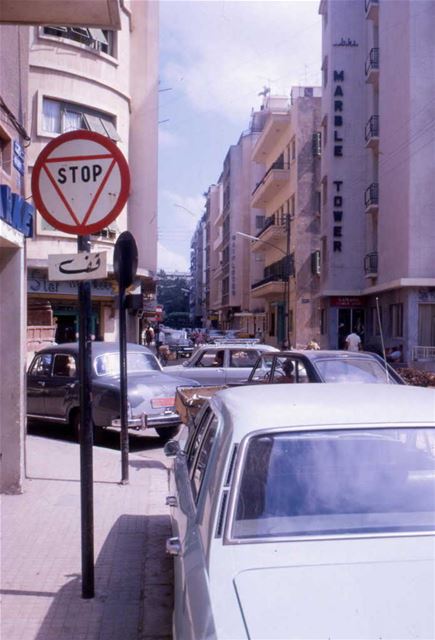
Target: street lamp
point(286, 253)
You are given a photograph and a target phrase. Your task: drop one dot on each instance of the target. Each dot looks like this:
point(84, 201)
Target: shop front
point(344, 315)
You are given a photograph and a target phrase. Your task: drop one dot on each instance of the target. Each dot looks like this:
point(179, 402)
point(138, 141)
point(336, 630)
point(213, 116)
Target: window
point(243, 358)
point(317, 144)
point(396, 320)
point(327, 483)
point(5, 152)
point(42, 365)
point(293, 149)
point(195, 439)
point(64, 365)
point(203, 458)
point(315, 263)
point(259, 222)
point(211, 358)
point(100, 40)
point(61, 117)
point(293, 206)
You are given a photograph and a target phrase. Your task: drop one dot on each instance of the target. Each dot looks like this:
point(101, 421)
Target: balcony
point(372, 133)
point(372, 9)
point(371, 265)
point(372, 66)
point(274, 129)
point(371, 198)
point(272, 182)
point(272, 286)
point(273, 229)
point(103, 14)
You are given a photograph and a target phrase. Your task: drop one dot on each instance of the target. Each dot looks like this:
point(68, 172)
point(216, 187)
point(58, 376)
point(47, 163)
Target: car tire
point(167, 433)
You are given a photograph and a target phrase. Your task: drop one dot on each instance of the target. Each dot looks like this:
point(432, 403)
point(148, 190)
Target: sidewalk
point(41, 549)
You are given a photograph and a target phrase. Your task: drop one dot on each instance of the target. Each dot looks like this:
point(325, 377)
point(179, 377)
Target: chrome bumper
point(144, 421)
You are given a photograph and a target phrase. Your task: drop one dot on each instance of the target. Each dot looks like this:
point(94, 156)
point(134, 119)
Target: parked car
point(306, 516)
point(53, 388)
point(322, 366)
point(223, 363)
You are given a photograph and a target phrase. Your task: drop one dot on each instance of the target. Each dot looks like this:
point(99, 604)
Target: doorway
point(350, 320)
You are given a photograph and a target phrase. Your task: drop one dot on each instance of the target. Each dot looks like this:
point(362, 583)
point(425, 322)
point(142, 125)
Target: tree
point(173, 294)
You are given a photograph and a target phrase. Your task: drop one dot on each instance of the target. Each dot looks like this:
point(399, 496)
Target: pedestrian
point(353, 342)
point(149, 335)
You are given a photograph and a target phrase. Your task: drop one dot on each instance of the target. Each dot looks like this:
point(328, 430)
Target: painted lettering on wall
point(16, 212)
point(337, 209)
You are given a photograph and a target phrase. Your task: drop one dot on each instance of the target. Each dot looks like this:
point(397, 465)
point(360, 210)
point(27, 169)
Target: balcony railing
point(371, 196)
point(372, 62)
point(371, 263)
point(283, 166)
point(372, 128)
point(423, 353)
point(278, 271)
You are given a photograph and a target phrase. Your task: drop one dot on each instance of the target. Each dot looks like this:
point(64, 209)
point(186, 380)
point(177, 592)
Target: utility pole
point(287, 283)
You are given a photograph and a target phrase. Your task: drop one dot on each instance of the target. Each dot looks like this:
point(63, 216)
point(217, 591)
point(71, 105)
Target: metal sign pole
point(123, 385)
point(86, 431)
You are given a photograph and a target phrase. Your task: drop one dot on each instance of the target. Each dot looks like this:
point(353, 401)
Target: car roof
point(318, 354)
point(250, 408)
point(237, 345)
point(98, 347)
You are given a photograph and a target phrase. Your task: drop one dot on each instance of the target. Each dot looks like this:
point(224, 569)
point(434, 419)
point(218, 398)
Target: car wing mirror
point(172, 448)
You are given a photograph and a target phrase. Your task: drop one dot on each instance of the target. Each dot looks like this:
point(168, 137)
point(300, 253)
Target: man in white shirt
point(353, 342)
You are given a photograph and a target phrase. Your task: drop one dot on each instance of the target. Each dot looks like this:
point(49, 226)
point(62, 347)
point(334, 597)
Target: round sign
point(125, 259)
point(80, 182)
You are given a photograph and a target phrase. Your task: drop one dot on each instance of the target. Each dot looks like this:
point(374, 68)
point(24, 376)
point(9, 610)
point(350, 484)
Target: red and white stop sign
point(80, 182)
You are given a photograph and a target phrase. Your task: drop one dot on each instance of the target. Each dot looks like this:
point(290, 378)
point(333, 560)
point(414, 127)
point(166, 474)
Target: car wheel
point(75, 423)
point(166, 433)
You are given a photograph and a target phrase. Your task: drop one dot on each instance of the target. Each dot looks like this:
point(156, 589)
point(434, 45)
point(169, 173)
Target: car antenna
point(382, 339)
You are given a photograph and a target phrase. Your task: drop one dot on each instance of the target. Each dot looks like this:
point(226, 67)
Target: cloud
point(169, 139)
point(222, 56)
point(179, 217)
point(170, 260)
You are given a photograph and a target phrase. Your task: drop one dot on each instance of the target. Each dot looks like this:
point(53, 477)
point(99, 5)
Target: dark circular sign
point(125, 259)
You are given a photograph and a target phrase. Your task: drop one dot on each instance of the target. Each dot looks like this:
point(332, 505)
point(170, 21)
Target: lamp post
point(286, 253)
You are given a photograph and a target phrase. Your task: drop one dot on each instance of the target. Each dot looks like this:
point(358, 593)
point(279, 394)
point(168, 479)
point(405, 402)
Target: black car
point(322, 366)
point(53, 388)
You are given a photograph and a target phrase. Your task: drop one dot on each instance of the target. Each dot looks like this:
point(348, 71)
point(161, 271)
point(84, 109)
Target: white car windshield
point(352, 370)
point(337, 482)
point(137, 362)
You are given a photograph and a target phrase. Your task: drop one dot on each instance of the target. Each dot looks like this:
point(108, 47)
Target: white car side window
point(203, 459)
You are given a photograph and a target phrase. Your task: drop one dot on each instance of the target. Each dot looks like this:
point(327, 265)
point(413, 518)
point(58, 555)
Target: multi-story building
point(289, 237)
point(198, 271)
point(214, 254)
point(378, 191)
point(104, 81)
point(16, 211)
point(236, 308)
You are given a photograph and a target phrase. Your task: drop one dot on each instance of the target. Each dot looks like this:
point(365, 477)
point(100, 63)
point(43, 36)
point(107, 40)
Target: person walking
point(353, 342)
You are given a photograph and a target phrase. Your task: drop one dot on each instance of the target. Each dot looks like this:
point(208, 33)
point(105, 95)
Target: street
point(41, 549)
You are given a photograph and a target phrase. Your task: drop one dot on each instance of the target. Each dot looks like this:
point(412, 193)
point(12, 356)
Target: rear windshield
point(352, 370)
point(108, 363)
point(337, 482)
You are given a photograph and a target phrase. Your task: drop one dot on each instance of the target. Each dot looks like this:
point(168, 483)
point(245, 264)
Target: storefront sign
point(16, 212)
point(346, 301)
point(38, 283)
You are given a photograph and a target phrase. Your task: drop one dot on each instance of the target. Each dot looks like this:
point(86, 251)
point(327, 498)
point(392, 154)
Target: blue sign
point(18, 159)
point(16, 212)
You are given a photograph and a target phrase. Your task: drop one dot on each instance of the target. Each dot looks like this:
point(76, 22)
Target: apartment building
point(288, 149)
point(237, 309)
point(378, 192)
point(17, 214)
point(105, 81)
point(198, 269)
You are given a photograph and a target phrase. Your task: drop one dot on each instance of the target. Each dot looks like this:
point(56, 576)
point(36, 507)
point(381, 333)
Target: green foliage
point(173, 294)
point(177, 320)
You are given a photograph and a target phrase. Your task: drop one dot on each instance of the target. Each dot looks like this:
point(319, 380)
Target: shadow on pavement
point(133, 588)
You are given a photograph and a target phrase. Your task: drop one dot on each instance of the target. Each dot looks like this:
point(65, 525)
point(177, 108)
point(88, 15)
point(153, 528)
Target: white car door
point(208, 368)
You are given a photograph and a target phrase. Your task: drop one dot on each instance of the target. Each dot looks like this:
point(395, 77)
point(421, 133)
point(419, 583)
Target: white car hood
point(368, 600)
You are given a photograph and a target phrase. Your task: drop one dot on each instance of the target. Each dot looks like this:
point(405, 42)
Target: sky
point(216, 56)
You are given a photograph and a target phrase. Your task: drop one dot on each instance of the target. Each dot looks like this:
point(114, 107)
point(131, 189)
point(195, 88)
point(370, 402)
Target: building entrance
point(350, 320)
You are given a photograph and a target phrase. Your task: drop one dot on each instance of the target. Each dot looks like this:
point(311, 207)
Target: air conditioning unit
point(315, 263)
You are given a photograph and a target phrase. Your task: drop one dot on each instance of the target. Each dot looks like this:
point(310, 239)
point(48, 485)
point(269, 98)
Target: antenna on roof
point(265, 92)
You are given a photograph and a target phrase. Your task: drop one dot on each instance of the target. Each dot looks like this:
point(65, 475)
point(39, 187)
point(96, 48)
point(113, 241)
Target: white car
point(221, 363)
point(305, 515)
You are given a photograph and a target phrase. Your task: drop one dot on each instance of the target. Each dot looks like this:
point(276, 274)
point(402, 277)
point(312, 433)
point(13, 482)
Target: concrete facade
point(79, 82)
point(13, 131)
point(290, 235)
point(378, 236)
